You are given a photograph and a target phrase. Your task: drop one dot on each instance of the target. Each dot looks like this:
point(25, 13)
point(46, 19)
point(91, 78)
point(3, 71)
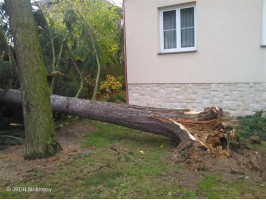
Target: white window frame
point(178, 29)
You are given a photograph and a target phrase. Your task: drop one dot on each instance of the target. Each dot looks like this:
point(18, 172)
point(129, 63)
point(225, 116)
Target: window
point(264, 23)
point(177, 27)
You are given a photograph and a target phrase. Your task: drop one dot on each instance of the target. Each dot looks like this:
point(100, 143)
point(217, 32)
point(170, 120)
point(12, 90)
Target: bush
point(119, 98)
point(6, 139)
point(110, 87)
point(66, 88)
point(253, 125)
point(122, 79)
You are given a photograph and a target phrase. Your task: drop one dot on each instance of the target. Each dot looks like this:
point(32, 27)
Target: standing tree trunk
point(41, 140)
point(53, 63)
point(81, 79)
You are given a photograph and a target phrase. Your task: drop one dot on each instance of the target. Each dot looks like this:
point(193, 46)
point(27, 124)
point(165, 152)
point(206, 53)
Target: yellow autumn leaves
point(110, 86)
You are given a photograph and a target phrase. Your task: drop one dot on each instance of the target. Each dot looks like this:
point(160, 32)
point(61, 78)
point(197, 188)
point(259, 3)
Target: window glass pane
point(169, 27)
point(187, 37)
point(170, 39)
point(187, 27)
point(169, 20)
point(187, 17)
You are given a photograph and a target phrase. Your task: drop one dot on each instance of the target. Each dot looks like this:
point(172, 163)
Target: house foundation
point(239, 99)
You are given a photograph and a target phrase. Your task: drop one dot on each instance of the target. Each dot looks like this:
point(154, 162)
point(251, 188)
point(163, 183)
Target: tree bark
point(41, 139)
point(55, 64)
point(164, 122)
point(81, 79)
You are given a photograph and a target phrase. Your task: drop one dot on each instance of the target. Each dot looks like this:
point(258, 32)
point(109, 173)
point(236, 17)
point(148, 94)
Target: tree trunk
point(53, 63)
point(98, 66)
point(90, 32)
point(81, 79)
point(168, 123)
point(97, 78)
point(41, 139)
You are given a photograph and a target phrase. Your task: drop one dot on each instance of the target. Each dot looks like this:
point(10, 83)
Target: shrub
point(7, 139)
point(110, 87)
point(66, 87)
point(253, 125)
point(122, 79)
point(118, 98)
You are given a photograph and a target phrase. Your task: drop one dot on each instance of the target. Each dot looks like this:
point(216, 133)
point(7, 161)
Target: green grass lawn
point(124, 163)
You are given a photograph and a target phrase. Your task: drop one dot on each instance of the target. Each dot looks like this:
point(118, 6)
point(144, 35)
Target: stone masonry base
point(238, 99)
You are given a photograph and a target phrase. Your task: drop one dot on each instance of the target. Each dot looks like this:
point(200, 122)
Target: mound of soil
point(241, 162)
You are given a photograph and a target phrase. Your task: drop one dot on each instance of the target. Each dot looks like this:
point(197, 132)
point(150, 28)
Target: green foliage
point(40, 19)
point(3, 46)
point(110, 87)
point(5, 74)
point(122, 79)
point(117, 70)
point(104, 22)
point(253, 125)
point(118, 98)
point(66, 88)
point(101, 18)
point(7, 140)
point(5, 21)
point(75, 25)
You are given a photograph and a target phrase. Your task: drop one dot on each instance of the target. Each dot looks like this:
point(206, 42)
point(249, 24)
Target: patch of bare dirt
point(241, 163)
point(14, 166)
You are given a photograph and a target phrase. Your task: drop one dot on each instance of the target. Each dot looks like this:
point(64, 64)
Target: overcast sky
point(117, 2)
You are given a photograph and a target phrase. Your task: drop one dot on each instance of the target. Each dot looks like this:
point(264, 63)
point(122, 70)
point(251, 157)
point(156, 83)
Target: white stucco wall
point(227, 70)
point(229, 48)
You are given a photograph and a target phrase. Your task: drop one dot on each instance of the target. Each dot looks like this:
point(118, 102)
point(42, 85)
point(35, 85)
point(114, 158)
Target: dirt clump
point(241, 162)
point(255, 139)
point(221, 150)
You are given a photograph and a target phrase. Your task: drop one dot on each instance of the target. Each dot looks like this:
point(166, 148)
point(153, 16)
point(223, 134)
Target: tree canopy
point(88, 31)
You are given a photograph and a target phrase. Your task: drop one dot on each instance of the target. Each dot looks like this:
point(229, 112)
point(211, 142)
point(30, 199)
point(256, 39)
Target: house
point(185, 54)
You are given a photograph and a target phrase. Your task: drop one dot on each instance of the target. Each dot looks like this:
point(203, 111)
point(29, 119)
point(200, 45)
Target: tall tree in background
point(55, 32)
point(7, 57)
point(41, 140)
point(93, 33)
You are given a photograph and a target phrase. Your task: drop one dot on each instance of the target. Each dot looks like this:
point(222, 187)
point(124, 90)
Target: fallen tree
point(196, 131)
